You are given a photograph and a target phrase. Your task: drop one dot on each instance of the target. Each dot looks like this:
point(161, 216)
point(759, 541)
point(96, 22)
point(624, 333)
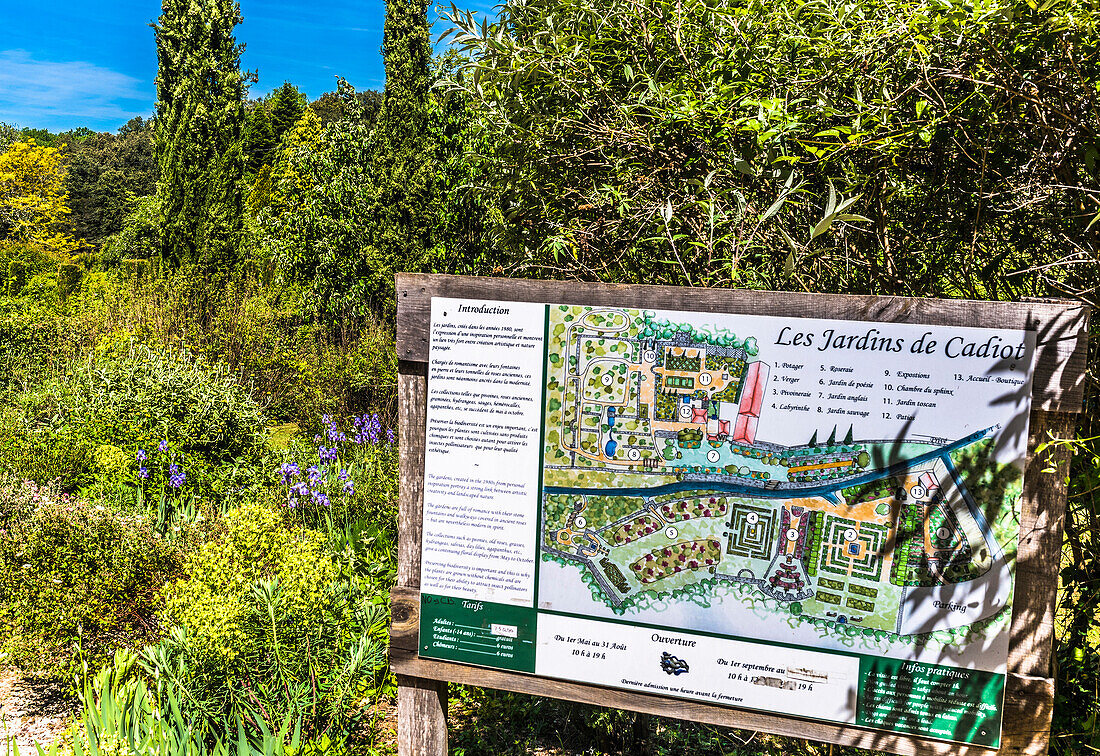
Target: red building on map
point(752, 399)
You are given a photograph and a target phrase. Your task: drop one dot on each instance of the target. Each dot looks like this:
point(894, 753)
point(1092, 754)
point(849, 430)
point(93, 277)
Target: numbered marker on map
point(792, 534)
point(633, 455)
point(580, 522)
point(917, 492)
point(671, 532)
point(850, 534)
point(704, 379)
point(752, 518)
point(713, 455)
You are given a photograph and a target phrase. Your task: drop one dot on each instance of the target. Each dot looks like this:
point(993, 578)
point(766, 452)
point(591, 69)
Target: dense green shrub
point(30, 259)
point(215, 602)
point(32, 341)
point(294, 367)
point(69, 276)
point(131, 397)
point(138, 237)
point(17, 277)
point(135, 269)
point(76, 580)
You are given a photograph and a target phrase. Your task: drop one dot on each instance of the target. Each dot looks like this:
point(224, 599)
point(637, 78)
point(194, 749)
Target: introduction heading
point(483, 309)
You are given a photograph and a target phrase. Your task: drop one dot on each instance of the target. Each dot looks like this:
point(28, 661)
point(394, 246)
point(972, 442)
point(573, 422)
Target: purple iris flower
point(288, 471)
point(163, 445)
point(369, 429)
point(176, 476)
point(143, 472)
point(140, 455)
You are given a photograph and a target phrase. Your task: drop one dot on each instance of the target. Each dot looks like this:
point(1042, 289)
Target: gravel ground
point(31, 712)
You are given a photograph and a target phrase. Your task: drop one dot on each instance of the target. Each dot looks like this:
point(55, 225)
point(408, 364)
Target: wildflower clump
point(350, 471)
point(161, 488)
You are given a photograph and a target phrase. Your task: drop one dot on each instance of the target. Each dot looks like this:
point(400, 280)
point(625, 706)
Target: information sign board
point(813, 517)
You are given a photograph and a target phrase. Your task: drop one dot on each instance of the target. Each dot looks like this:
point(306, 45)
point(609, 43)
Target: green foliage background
point(232, 285)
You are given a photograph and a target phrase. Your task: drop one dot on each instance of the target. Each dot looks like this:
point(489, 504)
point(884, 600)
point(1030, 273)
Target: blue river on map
point(827, 491)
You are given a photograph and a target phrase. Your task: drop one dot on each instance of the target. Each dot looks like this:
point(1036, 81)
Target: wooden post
point(421, 703)
point(421, 717)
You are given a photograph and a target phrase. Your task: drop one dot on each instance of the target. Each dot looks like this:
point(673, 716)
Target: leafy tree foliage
point(41, 137)
point(259, 139)
point(303, 138)
point(8, 135)
point(33, 202)
point(402, 167)
point(364, 204)
point(107, 173)
point(281, 182)
point(329, 107)
point(199, 146)
point(922, 148)
point(462, 215)
point(321, 226)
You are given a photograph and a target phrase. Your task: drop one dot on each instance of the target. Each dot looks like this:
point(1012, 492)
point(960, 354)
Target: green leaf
point(775, 207)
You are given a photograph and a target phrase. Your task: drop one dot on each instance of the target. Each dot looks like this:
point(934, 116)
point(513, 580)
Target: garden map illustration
point(659, 483)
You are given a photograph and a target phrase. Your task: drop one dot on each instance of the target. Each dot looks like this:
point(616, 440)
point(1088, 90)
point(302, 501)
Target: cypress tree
point(200, 116)
point(259, 139)
point(403, 165)
point(287, 107)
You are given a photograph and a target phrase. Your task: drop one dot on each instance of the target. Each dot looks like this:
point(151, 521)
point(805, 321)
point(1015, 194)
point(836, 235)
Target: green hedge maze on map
point(657, 483)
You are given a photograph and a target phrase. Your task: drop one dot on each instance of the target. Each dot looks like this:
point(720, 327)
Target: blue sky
point(93, 64)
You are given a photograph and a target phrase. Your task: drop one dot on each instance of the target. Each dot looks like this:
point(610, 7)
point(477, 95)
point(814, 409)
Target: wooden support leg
point(421, 704)
point(421, 717)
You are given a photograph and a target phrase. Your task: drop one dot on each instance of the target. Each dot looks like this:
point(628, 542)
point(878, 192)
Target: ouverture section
point(803, 516)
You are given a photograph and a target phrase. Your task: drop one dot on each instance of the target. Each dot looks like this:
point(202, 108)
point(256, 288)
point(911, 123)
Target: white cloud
point(65, 94)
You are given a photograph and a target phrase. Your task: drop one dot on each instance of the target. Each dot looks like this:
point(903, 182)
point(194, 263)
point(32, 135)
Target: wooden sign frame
point(1058, 389)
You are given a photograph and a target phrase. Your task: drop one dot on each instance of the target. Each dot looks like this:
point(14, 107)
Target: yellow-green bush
point(266, 626)
point(217, 605)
